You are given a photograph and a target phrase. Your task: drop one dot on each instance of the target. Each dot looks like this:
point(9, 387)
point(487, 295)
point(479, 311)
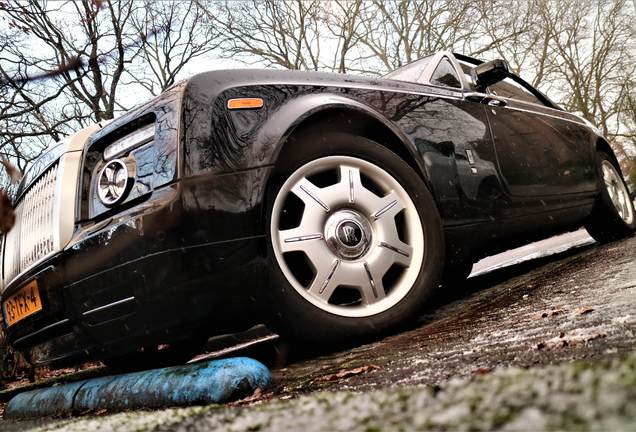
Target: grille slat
point(32, 237)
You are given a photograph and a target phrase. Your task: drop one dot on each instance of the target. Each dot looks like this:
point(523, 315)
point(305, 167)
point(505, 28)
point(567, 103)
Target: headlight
point(114, 181)
point(135, 139)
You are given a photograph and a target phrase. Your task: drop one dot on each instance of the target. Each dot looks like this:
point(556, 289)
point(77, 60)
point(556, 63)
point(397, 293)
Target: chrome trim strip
point(109, 305)
point(432, 90)
point(565, 115)
point(541, 112)
point(42, 330)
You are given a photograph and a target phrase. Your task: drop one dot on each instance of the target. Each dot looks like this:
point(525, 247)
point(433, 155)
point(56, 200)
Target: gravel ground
point(546, 344)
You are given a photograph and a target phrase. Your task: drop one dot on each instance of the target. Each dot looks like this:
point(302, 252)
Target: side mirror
point(490, 73)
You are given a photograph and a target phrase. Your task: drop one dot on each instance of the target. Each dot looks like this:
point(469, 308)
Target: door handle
point(485, 98)
point(490, 101)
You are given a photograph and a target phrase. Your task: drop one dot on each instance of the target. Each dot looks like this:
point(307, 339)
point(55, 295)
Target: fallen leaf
point(556, 310)
point(254, 397)
point(553, 343)
point(576, 338)
point(345, 373)
point(584, 310)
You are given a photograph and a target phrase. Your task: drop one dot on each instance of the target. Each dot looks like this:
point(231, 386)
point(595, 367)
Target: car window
point(510, 89)
point(411, 72)
point(445, 75)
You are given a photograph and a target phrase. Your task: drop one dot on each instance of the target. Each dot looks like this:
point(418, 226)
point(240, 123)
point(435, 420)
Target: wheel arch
point(603, 146)
point(331, 113)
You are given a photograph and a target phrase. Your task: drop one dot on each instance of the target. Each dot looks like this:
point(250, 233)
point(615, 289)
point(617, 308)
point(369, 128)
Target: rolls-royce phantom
point(328, 206)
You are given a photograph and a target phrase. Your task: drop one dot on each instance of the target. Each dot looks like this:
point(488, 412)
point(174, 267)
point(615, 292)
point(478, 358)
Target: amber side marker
point(244, 103)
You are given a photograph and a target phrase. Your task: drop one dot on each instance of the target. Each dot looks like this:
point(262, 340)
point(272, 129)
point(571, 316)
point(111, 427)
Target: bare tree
point(371, 37)
point(100, 37)
point(269, 32)
point(397, 33)
point(171, 34)
point(576, 51)
point(17, 102)
point(63, 65)
point(590, 55)
point(344, 24)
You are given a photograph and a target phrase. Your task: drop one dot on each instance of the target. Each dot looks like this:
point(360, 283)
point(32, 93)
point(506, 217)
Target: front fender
point(218, 140)
point(288, 117)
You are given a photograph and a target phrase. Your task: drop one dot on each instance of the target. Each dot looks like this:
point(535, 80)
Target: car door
point(451, 134)
point(467, 130)
point(541, 151)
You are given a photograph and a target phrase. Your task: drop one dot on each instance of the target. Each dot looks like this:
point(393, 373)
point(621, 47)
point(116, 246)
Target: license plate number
point(22, 304)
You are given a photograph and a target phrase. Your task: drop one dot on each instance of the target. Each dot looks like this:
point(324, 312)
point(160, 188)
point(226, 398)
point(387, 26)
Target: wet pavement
point(576, 305)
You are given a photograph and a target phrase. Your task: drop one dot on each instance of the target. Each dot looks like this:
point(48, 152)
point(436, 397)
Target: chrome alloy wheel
point(617, 192)
point(360, 235)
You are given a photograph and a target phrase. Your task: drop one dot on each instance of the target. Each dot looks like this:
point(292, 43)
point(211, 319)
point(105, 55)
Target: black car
point(327, 206)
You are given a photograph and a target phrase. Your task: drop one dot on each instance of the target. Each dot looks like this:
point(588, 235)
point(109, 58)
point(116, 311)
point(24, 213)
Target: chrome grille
point(33, 236)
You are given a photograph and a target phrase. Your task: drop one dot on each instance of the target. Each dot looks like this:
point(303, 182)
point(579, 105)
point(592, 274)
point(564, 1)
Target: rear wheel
point(355, 241)
point(613, 214)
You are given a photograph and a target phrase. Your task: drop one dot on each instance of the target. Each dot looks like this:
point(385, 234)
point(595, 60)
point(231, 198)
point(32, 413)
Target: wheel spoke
point(379, 263)
point(389, 240)
point(402, 252)
point(310, 194)
point(350, 177)
point(388, 206)
point(298, 239)
point(325, 281)
point(374, 290)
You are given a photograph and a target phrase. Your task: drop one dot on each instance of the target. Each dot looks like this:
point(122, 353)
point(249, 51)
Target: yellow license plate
point(22, 304)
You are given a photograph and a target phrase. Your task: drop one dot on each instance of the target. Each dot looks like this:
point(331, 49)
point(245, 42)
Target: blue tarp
point(215, 381)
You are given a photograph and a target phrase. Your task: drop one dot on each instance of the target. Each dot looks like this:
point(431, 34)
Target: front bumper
point(179, 265)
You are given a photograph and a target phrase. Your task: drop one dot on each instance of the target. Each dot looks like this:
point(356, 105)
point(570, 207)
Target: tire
point(154, 358)
point(613, 216)
point(348, 267)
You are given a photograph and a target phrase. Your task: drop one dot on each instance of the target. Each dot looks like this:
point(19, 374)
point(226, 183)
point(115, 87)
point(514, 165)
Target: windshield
point(411, 72)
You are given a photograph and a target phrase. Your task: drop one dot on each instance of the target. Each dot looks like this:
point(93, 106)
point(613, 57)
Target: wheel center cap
point(348, 234)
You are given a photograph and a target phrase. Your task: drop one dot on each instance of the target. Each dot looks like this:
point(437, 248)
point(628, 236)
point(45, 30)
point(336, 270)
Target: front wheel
point(355, 242)
point(613, 214)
